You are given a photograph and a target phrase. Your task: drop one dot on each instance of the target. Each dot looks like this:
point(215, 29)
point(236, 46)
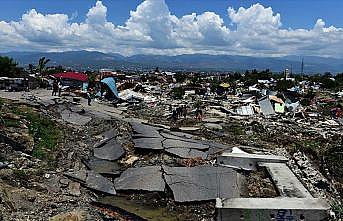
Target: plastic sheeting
point(111, 83)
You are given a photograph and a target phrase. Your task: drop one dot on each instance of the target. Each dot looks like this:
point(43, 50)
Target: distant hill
point(197, 62)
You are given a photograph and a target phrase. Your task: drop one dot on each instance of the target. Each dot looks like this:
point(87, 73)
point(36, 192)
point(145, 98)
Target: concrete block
point(247, 161)
point(285, 181)
point(277, 209)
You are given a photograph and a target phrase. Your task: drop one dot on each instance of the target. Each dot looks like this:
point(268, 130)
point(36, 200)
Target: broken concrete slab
point(79, 176)
point(247, 161)
point(286, 182)
point(266, 106)
point(106, 136)
point(147, 178)
point(112, 133)
point(174, 137)
point(237, 209)
point(193, 144)
point(92, 180)
point(148, 143)
point(75, 118)
point(111, 150)
point(99, 183)
point(186, 152)
point(201, 182)
point(142, 130)
point(179, 134)
point(103, 167)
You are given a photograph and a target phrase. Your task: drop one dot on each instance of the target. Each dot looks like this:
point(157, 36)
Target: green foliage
point(11, 123)
point(46, 135)
point(195, 79)
point(20, 174)
point(251, 77)
point(214, 84)
point(41, 67)
point(8, 67)
point(337, 208)
point(54, 70)
point(180, 77)
point(283, 85)
point(177, 93)
point(235, 129)
point(325, 80)
point(91, 78)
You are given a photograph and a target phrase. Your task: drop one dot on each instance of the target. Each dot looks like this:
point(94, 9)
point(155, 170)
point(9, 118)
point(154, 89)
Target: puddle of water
point(142, 210)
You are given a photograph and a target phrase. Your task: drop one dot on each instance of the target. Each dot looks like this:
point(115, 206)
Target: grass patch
point(235, 129)
point(44, 131)
point(11, 123)
point(20, 174)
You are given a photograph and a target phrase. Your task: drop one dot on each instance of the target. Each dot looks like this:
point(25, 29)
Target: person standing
point(54, 88)
point(89, 97)
point(59, 87)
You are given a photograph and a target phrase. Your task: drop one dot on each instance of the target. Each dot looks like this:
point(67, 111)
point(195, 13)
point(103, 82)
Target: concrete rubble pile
point(247, 152)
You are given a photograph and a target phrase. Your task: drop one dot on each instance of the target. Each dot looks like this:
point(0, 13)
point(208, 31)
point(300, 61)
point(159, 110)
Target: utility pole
point(302, 66)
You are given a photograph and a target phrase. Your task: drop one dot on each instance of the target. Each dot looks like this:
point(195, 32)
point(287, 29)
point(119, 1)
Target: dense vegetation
point(9, 68)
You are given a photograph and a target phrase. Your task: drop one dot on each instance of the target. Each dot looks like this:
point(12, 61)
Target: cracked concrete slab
point(92, 180)
point(142, 130)
point(111, 150)
point(148, 143)
point(201, 182)
point(103, 167)
point(99, 183)
point(169, 143)
point(75, 118)
point(186, 152)
point(168, 135)
point(180, 134)
point(147, 178)
point(112, 133)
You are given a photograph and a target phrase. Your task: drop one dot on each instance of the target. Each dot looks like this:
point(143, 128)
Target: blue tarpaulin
point(111, 83)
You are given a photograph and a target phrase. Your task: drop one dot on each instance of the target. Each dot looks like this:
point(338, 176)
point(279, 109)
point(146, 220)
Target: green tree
point(9, 68)
point(177, 92)
point(283, 85)
point(41, 67)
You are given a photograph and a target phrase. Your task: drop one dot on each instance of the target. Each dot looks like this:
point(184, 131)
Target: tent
point(111, 83)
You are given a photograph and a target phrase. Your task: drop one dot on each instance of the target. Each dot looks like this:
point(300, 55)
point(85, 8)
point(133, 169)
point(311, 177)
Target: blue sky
point(243, 27)
point(295, 13)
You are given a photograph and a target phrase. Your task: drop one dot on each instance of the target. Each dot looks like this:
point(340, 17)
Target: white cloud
point(151, 28)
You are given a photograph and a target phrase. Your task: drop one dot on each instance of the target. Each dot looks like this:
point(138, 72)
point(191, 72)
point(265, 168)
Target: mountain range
point(83, 60)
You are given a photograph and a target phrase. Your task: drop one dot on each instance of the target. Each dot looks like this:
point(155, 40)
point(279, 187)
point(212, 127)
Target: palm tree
point(41, 65)
point(32, 69)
